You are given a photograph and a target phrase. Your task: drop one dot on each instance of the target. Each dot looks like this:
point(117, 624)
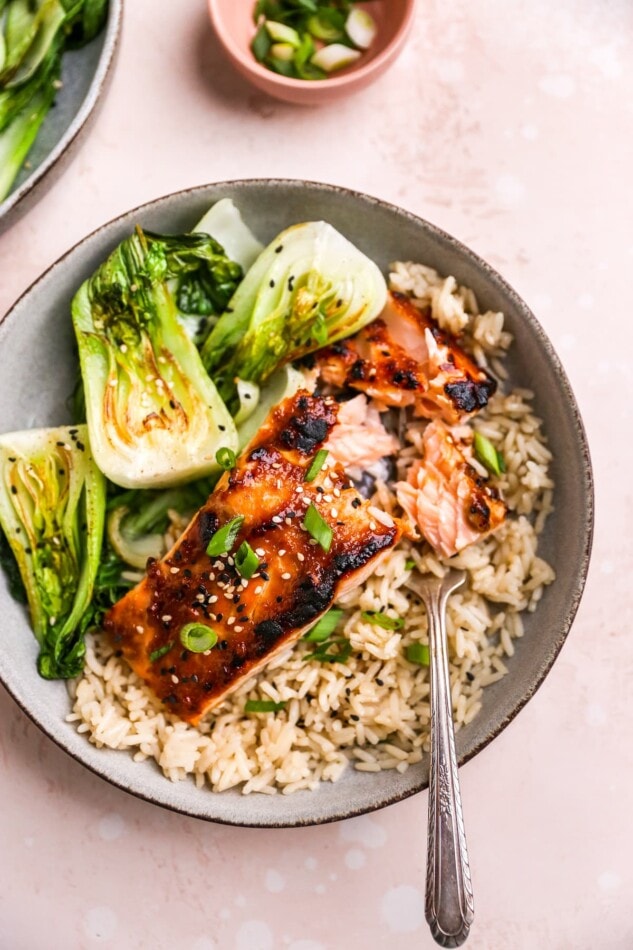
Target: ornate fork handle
point(449, 895)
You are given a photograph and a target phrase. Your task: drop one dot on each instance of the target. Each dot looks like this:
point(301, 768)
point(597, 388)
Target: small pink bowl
point(234, 26)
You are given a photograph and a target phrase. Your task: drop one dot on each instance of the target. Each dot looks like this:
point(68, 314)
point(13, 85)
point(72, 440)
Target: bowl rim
point(587, 525)
point(103, 72)
point(353, 74)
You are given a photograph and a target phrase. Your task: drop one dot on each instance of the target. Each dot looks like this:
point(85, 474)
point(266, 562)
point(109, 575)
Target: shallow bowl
point(36, 342)
point(86, 74)
point(234, 27)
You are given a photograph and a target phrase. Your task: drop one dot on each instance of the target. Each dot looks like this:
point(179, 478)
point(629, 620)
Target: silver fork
point(449, 896)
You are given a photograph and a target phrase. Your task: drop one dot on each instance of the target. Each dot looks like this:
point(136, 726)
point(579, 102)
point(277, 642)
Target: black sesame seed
point(355, 718)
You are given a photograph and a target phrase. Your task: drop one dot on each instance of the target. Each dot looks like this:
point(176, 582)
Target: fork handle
point(449, 897)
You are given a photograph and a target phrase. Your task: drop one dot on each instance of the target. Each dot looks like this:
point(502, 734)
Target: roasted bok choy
point(33, 36)
point(52, 507)
point(309, 288)
point(154, 415)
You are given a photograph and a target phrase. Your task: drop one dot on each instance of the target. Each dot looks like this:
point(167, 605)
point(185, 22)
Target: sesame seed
point(140, 629)
point(282, 552)
point(166, 618)
point(259, 588)
point(276, 519)
point(372, 525)
point(231, 561)
point(260, 552)
point(230, 621)
point(174, 678)
point(213, 599)
point(288, 520)
point(286, 576)
point(174, 570)
point(337, 493)
point(334, 513)
point(278, 484)
point(327, 498)
point(300, 556)
point(312, 542)
point(239, 629)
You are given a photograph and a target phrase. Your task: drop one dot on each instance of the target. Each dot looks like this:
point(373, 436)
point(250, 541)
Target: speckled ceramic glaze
point(85, 75)
point(36, 341)
point(234, 27)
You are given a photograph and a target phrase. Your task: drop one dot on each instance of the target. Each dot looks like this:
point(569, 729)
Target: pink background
point(508, 124)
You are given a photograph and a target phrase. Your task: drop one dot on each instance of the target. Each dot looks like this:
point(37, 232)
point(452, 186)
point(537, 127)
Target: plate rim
point(588, 493)
point(12, 208)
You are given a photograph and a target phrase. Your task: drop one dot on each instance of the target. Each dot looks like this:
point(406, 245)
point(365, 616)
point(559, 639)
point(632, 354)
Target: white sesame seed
point(230, 621)
point(140, 629)
point(288, 520)
point(166, 618)
point(174, 678)
point(278, 484)
point(282, 552)
point(174, 570)
point(334, 513)
point(260, 552)
point(239, 629)
point(299, 489)
point(276, 519)
point(300, 556)
point(200, 598)
point(372, 525)
point(337, 493)
point(231, 561)
point(312, 542)
point(286, 576)
point(259, 589)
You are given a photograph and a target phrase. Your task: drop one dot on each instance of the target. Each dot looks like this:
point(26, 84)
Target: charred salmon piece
point(295, 580)
point(404, 359)
point(451, 504)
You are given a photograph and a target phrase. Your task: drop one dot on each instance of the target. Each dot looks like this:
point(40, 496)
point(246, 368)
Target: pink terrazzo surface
point(511, 126)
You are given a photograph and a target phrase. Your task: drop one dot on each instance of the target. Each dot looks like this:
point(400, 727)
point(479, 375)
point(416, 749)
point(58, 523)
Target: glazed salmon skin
point(295, 582)
point(403, 359)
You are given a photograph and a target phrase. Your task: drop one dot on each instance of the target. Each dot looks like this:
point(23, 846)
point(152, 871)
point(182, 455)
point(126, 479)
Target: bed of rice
point(373, 710)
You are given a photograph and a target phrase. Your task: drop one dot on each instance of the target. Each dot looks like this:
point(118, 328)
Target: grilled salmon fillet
point(451, 504)
point(295, 582)
point(402, 359)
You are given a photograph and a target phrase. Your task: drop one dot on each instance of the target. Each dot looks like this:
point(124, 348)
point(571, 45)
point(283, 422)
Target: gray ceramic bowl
point(38, 371)
point(85, 76)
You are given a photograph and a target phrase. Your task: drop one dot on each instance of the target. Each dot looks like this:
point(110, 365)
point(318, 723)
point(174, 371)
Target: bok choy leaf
point(154, 416)
point(52, 507)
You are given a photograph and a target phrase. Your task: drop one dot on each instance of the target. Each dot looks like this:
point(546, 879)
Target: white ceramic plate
point(85, 76)
point(38, 370)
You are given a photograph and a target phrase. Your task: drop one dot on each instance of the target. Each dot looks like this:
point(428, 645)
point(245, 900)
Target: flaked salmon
point(403, 359)
point(359, 439)
point(446, 498)
point(295, 581)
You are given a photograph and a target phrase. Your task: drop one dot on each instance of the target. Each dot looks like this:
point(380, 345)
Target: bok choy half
point(52, 508)
point(154, 415)
point(309, 288)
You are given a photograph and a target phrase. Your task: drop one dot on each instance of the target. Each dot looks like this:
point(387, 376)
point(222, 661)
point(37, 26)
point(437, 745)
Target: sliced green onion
point(325, 28)
point(361, 28)
point(282, 51)
point(335, 56)
point(409, 564)
point(224, 538)
point(226, 458)
point(157, 654)
point(325, 627)
point(324, 653)
point(488, 455)
point(418, 653)
point(246, 561)
point(318, 528)
point(197, 637)
point(382, 620)
point(261, 44)
point(280, 33)
point(316, 465)
point(262, 706)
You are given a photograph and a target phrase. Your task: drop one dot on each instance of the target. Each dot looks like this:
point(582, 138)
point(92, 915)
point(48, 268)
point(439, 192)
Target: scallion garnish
point(409, 564)
point(157, 654)
point(225, 458)
point(262, 706)
point(418, 653)
point(316, 465)
point(488, 455)
point(382, 620)
point(246, 561)
point(325, 627)
point(318, 528)
point(223, 540)
point(324, 653)
point(197, 637)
